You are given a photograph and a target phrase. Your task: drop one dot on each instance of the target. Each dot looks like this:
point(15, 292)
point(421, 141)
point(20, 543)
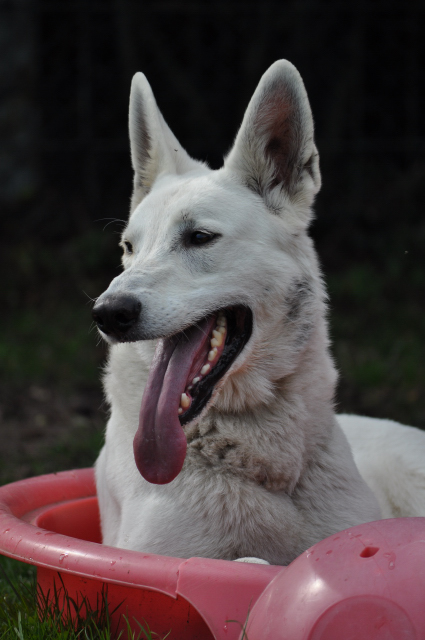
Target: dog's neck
point(273, 443)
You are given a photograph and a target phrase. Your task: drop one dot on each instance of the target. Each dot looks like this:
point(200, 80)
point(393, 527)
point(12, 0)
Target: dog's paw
point(252, 560)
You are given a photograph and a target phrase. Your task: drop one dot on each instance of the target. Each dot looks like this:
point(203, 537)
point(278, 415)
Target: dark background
point(65, 183)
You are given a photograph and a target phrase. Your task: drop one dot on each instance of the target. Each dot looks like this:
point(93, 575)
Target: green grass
point(378, 333)
point(22, 619)
point(41, 442)
point(50, 342)
point(46, 332)
point(54, 617)
point(73, 453)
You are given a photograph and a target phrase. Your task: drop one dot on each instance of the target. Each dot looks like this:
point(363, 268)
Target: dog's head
point(217, 264)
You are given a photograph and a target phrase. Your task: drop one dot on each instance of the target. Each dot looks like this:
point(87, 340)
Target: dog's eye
point(201, 237)
point(128, 247)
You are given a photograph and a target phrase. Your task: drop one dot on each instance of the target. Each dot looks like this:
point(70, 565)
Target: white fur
point(268, 470)
point(391, 458)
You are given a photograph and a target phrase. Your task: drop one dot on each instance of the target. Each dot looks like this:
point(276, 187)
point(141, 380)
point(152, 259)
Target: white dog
point(222, 440)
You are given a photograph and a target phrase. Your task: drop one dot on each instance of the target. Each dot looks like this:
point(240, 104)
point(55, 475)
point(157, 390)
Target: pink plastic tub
point(364, 583)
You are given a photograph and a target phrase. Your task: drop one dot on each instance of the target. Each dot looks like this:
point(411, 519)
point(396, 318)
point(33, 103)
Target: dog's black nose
point(116, 314)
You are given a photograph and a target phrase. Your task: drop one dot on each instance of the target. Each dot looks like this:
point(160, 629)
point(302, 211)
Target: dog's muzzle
point(116, 314)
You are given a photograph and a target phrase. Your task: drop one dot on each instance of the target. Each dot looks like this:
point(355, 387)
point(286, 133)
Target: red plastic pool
point(366, 582)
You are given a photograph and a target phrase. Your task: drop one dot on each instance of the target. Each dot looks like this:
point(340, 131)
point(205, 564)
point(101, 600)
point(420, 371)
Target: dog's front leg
point(252, 560)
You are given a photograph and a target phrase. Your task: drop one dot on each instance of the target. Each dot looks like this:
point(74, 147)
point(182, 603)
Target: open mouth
point(185, 370)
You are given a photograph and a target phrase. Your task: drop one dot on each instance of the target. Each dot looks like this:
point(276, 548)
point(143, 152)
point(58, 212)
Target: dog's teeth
point(212, 354)
point(222, 330)
point(221, 321)
point(195, 380)
point(180, 411)
point(185, 401)
point(205, 369)
point(215, 342)
point(217, 335)
point(190, 387)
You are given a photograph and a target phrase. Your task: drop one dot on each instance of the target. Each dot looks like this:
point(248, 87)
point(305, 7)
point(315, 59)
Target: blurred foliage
point(52, 413)
point(378, 333)
point(47, 334)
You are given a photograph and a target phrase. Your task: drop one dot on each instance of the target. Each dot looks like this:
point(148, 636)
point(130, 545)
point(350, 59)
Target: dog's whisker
point(92, 326)
point(200, 329)
point(90, 299)
point(108, 223)
point(111, 221)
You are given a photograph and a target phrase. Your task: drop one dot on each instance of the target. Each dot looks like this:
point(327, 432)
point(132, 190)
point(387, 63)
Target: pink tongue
point(160, 443)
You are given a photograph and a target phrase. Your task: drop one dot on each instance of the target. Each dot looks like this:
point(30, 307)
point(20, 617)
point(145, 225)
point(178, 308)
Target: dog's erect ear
point(274, 152)
point(154, 148)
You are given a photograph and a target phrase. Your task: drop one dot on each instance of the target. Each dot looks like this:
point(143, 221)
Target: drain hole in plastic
point(368, 552)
